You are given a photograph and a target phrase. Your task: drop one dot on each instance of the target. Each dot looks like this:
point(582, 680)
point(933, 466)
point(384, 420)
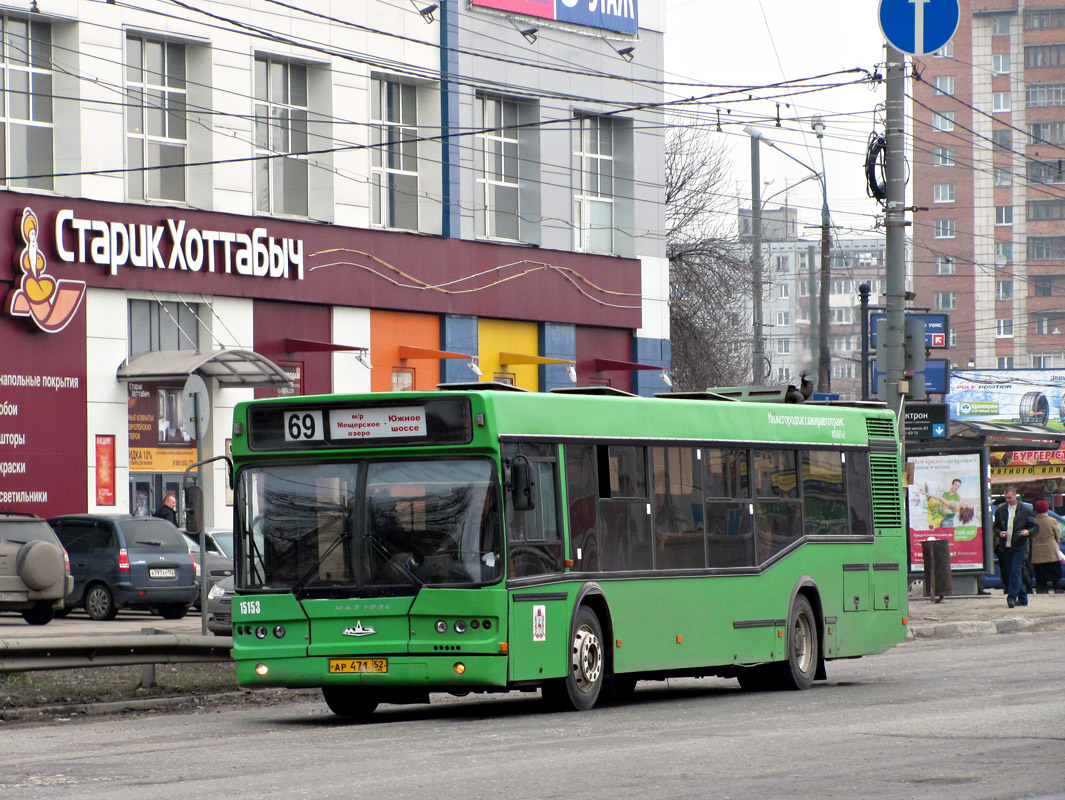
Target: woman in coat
point(1045, 561)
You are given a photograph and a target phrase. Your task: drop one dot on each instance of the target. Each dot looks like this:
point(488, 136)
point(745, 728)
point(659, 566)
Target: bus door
point(539, 615)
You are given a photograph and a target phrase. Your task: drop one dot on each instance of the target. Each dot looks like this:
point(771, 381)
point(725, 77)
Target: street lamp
point(824, 372)
point(757, 356)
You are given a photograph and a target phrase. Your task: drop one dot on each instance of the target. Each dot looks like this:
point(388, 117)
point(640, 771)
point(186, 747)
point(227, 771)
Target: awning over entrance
point(1007, 436)
point(228, 367)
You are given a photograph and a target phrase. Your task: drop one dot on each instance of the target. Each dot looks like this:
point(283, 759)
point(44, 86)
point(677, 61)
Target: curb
point(114, 707)
point(955, 629)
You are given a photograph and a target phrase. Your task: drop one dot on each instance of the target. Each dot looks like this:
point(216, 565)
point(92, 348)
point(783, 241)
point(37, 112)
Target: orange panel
point(391, 329)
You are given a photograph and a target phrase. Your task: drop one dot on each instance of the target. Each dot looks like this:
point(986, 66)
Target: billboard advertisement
point(609, 15)
point(1026, 396)
point(944, 502)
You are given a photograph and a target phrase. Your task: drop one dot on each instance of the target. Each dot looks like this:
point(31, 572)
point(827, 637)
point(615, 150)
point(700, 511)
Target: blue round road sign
point(918, 27)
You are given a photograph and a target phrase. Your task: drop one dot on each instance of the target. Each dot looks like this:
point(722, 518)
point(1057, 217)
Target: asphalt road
point(948, 718)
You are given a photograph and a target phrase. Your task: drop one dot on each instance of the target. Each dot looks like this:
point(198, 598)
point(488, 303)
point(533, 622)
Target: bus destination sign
point(347, 424)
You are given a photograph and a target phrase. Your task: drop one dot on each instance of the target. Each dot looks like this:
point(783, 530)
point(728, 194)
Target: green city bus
point(487, 539)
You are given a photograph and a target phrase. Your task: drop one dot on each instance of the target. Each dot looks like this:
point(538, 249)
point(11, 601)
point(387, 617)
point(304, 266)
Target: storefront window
point(157, 325)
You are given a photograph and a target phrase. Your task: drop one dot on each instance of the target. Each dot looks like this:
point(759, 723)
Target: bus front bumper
point(455, 672)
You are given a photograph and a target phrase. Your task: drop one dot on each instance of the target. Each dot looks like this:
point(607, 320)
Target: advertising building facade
point(223, 203)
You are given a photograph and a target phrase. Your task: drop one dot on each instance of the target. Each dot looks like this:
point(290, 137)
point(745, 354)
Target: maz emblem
point(358, 630)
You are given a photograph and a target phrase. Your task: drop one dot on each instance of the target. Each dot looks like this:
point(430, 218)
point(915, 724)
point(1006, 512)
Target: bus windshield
point(369, 526)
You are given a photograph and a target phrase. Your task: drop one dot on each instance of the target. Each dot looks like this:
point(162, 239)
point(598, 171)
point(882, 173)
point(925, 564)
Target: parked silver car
point(218, 562)
point(220, 608)
point(34, 568)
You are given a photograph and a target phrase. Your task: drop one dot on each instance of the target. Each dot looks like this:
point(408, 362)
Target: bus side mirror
point(521, 484)
point(194, 509)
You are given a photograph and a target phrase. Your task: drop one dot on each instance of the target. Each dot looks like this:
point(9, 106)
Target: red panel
point(275, 322)
point(43, 421)
point(604, 344)
point(341, 266)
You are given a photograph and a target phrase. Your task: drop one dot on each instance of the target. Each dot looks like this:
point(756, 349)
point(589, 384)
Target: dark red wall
point(605, 343)
point(277, 321)
point(52, 420)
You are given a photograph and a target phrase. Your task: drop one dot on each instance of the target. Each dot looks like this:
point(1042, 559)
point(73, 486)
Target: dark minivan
point(127, 562)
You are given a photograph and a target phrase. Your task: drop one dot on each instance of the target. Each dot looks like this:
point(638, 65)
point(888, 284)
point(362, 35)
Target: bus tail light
point(123, 560)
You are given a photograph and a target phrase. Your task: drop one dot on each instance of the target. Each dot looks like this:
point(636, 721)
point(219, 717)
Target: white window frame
point(1003, 290)
point(594, 176)
point(27, 113)
point(944, 229)
point(783, 291)
point(498, 167)
point(1005, 250)
point(281, 137)
point(1004, 328)
point(156, 119)
point(1003, 215)
point(783, 318)
point(945, 301)
point(946, 51)
point(1005, 362)
point(1000, 63)
point(395, 159)
point(1000, 102)
point(784, 346)
point(1042, 325)
point(943, 121)
point(1003, 177)
point(943, 156)
point(943, 193)
point(943, 84)
point(945, 265)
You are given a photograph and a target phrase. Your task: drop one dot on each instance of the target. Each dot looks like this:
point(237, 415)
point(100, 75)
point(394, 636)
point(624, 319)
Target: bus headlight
point(261, 669)
point(459, 668)
point(441, 626)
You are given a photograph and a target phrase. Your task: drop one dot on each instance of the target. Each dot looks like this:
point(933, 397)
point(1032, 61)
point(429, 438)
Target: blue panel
point(449, 118)
point(611, 15)
point(459, 335)
point(557, 340)
point(650, 351)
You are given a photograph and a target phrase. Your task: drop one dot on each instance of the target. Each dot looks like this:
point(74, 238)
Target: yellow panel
point(495, 336)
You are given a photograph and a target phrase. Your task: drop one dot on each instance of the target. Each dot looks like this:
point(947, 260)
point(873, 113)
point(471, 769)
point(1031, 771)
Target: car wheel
point(173, 611)
point(100, 603)
point(41, 613)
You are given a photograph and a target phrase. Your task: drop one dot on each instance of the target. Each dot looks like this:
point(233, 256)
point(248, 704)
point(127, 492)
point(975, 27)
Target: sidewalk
point(974, 615)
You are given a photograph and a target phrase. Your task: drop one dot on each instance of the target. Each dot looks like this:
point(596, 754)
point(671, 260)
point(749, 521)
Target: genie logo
point(612, 15)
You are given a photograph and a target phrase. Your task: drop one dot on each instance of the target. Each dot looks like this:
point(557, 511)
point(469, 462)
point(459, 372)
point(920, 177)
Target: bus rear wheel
point(798, 671)
point(581, 687)
point(349, 702)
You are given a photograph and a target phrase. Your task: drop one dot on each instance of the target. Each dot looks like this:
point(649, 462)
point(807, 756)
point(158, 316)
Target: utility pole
point(757, 356)
point(894, 332)
point(815, 308)
point(824, 358)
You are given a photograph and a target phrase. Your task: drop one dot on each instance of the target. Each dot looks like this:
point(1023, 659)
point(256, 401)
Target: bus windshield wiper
point(401, 567)
point(305, 578)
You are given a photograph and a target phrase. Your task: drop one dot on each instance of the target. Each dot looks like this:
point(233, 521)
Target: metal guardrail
point(115, 650)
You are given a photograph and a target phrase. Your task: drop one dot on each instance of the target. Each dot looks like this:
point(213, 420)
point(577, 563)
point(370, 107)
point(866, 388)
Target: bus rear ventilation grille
point(451, 648)
point(879, 428)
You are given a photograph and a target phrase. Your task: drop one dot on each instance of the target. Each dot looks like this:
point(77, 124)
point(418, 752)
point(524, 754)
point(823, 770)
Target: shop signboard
point(159, 440)
point(609, 15)
point(944, 501)
point(1026, 396)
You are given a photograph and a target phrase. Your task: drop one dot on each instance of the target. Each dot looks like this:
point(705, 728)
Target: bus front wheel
point(581, 687)
point(349, 702)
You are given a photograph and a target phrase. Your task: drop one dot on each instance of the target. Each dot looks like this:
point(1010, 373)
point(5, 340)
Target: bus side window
point(858, 493)
point(534, 538)
point(583, 507)
point(777, 508)
point(729, 537)
point(679, 541)
point(624, 513)
point(824, 493)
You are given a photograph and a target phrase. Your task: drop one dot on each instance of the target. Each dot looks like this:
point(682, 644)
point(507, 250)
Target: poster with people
point(944, 502)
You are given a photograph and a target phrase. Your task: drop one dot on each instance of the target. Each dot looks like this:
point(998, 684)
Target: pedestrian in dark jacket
point(166, 510)
point(1014, 524)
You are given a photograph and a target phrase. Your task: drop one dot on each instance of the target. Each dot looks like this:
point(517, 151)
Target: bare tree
point(710, 277)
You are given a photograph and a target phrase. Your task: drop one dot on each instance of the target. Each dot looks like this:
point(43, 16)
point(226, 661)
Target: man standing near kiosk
point(1014, 523)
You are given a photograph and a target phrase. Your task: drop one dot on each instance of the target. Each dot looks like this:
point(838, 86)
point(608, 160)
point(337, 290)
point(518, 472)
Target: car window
point(225, 541)
point(22, 530)
point(153, 533)
point(79, 538)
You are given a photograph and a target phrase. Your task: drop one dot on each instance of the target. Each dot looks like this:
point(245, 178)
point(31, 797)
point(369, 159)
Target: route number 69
point(303, 426)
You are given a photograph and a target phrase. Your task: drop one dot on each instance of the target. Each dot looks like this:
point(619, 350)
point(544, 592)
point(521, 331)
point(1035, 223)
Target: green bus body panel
point(655, 624)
